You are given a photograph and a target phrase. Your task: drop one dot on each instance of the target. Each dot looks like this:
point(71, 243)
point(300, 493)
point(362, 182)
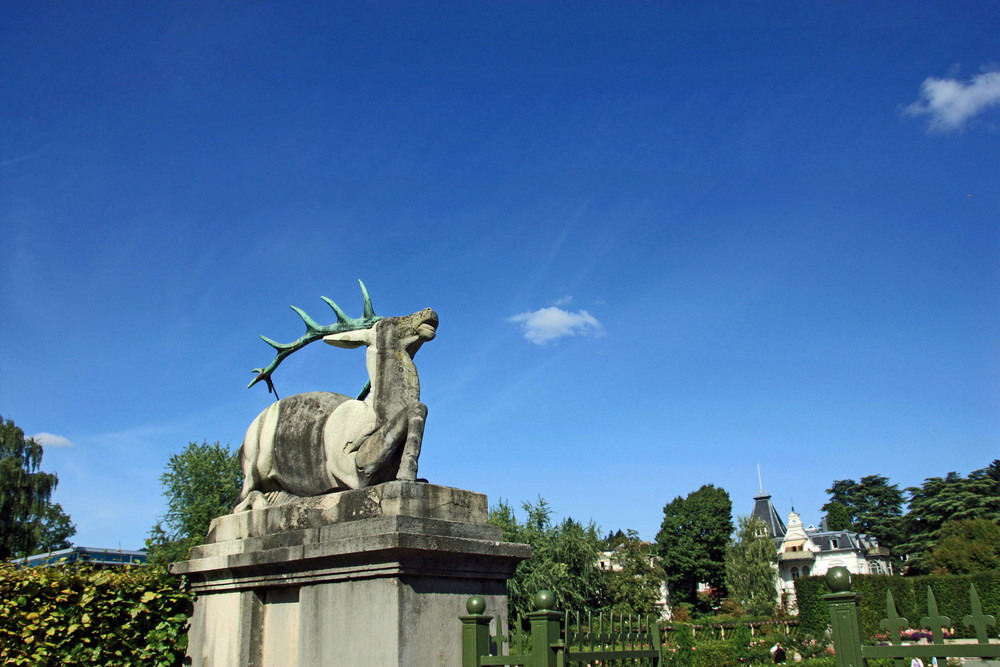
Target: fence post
point(656, 642)
point(475, 632)
point(844, 618)
point(546, 631)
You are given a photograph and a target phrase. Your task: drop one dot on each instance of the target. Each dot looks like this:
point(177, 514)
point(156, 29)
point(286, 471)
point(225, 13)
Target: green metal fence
point(558, 639)
point(852, 651)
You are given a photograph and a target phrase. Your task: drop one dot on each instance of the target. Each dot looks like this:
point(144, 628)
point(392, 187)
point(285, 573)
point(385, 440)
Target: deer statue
point(319, 442)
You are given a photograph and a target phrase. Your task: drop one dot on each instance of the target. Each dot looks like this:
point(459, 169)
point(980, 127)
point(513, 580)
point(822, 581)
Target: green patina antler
point(315, 332)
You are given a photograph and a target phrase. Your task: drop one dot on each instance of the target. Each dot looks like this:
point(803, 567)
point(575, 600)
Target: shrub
point(69, 616)
point(909, 595)
point(681, 652)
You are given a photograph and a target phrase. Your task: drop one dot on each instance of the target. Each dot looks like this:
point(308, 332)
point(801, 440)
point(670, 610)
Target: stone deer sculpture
point(318, 442)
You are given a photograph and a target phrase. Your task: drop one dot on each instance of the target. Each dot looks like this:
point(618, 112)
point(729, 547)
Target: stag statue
point(319, 442)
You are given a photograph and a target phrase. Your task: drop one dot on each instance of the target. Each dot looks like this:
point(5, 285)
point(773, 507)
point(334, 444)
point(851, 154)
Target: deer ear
point(348, 339)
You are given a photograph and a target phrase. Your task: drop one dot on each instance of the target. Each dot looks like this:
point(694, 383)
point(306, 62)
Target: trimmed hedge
point(910, 595)
point(76, 616)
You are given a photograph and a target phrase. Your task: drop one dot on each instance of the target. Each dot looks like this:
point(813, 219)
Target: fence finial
point(544, 600)
point(476, 605)
point(839, 579)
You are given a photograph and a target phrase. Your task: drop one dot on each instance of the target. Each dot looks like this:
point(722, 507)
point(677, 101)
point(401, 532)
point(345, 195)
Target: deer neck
point(393, 374)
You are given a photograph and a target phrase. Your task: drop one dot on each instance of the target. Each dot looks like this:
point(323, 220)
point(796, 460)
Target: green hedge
point(70, 616)
point(814, 615)
point(910, 595)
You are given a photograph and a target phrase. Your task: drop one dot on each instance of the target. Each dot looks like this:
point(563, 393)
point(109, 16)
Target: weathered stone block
point(374, 576)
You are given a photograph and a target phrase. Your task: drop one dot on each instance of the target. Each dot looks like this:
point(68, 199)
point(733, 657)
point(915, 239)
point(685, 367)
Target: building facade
point(804, 551)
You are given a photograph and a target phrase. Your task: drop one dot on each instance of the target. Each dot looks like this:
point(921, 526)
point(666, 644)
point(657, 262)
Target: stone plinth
point(376, 576)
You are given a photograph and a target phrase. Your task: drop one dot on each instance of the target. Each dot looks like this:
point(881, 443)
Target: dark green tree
point(24, 494)
point(942, 499)
point(837, 517)
point(563, 558)
point(967, 546)
point(693, 539)
point(200, 483)
point(54, 529)
point(632, 585)
point(873, 506)
point(750, 571)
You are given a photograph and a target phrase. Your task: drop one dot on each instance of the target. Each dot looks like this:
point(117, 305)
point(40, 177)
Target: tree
point(54, 529)
point(200, 483)
point(26, 513)
point(692, 541)
point(563, 558)
point(942, 499)
point(967, 546)
point(750, 571)
point(634, 586)
point(873, 506)
point(837, 516)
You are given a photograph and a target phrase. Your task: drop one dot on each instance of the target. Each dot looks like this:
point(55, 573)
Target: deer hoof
point(255, 500)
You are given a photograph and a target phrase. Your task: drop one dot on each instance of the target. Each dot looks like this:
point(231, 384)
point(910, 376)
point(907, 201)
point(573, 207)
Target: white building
point(611, 561)
point(809, 551)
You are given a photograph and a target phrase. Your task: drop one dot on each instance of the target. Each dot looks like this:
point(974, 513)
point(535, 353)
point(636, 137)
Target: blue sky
point(666, 241)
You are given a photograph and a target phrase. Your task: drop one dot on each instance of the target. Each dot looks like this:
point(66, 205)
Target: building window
point(805, 572)
point(795, 573)
point(833, 544)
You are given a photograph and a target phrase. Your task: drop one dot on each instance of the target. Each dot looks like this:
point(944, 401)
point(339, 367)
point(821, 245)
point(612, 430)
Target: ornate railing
point(556, 639)
point(851, 650)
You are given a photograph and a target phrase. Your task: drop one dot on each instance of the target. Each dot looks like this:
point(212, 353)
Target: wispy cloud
point(950, 103)
point(548, 324)
point(51, 440)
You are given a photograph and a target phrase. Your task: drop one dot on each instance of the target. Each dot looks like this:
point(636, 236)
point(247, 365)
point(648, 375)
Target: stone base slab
point(375, 576)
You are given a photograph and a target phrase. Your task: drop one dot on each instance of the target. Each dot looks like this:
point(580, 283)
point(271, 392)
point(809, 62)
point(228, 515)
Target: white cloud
point(546, 324)
point(950, 102)
point(51, 440)
point(563, 301)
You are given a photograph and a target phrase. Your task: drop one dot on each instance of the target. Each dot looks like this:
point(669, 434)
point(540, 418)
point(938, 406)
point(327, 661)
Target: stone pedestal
point(377, 576)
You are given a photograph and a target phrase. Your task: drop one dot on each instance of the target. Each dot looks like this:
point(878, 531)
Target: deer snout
point(427, 323)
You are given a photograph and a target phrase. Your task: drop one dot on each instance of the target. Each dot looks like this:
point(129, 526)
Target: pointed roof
point(764, 510)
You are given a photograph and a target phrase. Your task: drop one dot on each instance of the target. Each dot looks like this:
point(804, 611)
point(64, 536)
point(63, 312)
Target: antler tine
point(341, 316)
point(314, 332)
point(369, 311)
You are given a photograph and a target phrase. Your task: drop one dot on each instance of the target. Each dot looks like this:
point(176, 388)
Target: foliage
point(967, 546)
point(750, 571)
point(738, 648)
point(28, 521)
point(814, 614)
point(820, 661)
point(693, 539)
point(563, 558)
point(909, 595)
point(681, 652)
point(739, 640)
point(67, 616)
point(635, 588)
point(200, 483)
point(837, 516)
point(54, 529)
point(873, 507)
point(943, 499)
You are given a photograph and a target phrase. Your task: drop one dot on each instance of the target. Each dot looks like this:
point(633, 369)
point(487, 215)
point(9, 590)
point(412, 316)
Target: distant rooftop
point(764, 510)
point(100, 558)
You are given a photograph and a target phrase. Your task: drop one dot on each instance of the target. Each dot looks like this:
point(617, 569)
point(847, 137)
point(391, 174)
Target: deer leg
point(379, 448)
point(248, 462)
point(414, 438)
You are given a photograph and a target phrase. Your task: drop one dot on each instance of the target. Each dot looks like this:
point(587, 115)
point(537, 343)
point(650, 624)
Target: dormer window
point(833, 543)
